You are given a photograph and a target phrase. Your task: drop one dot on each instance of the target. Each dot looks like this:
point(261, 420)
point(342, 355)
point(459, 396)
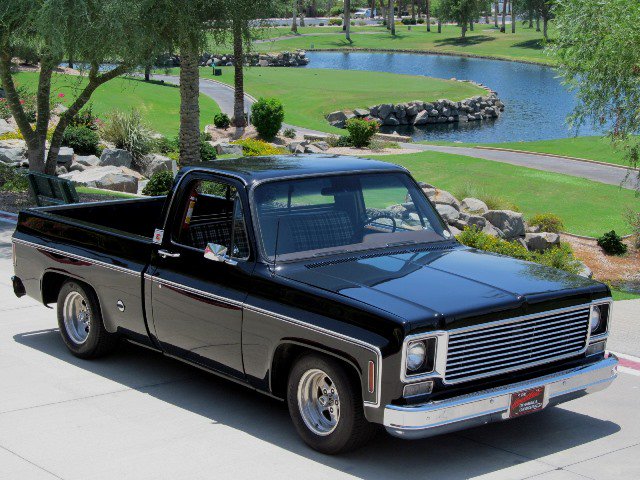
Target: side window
point(207, 216)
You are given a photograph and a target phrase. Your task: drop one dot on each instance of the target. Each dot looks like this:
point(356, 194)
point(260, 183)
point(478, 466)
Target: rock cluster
point(308, 146)
point(281, 59)
point(500, 223)
point(419, 113)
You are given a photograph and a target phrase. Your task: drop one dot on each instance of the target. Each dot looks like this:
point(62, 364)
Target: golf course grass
point(309, 94)
point(159, 104)
point(485, 41)
point(586, 207)
point(590, 148)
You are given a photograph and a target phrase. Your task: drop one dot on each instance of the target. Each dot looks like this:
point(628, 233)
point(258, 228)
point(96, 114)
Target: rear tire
point(325, 404)
point(80, 322)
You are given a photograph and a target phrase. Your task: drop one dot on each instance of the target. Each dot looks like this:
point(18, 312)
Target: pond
point(537, 104)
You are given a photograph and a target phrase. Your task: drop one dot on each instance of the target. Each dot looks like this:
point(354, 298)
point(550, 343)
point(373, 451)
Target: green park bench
point(51, 190)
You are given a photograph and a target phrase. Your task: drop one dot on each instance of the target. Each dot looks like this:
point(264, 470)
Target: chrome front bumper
point(435, 418)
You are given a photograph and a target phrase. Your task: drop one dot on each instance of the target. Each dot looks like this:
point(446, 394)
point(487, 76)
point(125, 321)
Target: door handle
point(166, 253)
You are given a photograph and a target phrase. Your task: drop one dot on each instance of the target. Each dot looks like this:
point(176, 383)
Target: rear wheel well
point(286, 356)
point(52, 283)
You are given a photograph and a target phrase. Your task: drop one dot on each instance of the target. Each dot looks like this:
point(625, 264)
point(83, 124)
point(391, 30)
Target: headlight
point(416, 354)
point(595, 319)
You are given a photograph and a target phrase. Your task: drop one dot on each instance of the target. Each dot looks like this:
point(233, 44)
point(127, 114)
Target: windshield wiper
point(400, 244)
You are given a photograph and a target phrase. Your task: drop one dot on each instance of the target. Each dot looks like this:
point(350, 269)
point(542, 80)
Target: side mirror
point(217, 253)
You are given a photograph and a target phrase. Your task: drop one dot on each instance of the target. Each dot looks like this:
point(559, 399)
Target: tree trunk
point(302, 19)
point(545, 25)
point(392, 16)
point(70, 63)
point(439, 25)
point(347, 20)
point(471, 24)
point(537, 22)
point(81, 100)
point(464, 29)
point(372, 6)
point(428, 5)
point(189, 107)
point(413, 11)
point(147, 73)
point(495, 13)
point(530, 15)
point(513, 20)
point(238, 76)
point(504, 16)
point(294, 17)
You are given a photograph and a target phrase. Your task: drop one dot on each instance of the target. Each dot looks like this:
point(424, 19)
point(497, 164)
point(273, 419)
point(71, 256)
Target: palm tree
point(505, 3)
point(513, 19)
point(428, 7)
point(392, 16)
point(347, 20)
point(189, 107)
point(239, 120)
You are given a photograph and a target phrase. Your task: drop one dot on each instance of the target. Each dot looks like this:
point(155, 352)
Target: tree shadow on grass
point(467, 454)
point(464, 42)
point(535, 44)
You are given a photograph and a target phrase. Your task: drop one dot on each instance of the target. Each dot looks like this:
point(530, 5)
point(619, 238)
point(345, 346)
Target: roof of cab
point(256, 169)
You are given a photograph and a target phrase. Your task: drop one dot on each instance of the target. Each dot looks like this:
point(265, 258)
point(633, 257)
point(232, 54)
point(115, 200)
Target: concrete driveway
point(138, 415)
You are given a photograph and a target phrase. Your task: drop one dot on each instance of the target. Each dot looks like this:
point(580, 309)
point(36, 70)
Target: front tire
point(325, 404)
point(80, 322)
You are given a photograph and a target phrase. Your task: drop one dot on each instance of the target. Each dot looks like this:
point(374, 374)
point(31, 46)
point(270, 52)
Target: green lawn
point(309, 94)
point(586, 207)
point(526, 44)
point(159, 104)
point(620, 295)
point(591, 148)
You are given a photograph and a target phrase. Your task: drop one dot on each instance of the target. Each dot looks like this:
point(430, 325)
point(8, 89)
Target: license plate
point(527, 401)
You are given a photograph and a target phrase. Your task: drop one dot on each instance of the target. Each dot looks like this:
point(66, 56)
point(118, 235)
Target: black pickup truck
point(329, 282)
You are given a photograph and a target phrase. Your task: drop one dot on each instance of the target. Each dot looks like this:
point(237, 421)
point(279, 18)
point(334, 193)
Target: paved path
point(138, 415)
point(223, 95)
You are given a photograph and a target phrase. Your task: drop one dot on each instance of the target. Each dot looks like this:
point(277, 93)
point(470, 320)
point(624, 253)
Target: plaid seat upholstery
point(321, 230)
point(220, 233)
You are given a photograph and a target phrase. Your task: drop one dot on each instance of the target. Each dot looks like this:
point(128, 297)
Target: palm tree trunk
point(495, 13)
point(294, 17)
point(347, 20)
point(392, 16)
point(504, 16)
point(428, 5)
point(413, 11)
point(238, 76)
point(513, 20)
point(189, 107)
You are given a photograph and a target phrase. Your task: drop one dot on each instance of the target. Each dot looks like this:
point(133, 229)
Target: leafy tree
point(598, 55)
point(50, 28)
point(461, 11)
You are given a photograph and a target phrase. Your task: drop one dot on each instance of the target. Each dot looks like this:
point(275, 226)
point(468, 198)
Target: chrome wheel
point(318, 402)
point(77, 317)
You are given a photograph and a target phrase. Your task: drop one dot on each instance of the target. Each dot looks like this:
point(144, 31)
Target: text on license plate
point(527, 401)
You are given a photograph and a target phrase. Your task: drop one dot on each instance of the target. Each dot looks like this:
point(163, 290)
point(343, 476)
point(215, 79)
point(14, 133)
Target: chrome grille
point(515, 344)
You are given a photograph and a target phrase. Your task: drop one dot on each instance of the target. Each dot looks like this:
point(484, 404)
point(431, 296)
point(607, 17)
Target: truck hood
point(448, 288)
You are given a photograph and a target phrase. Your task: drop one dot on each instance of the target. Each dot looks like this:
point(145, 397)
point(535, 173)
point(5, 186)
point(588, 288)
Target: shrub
point(267, 115)
point(207, 151)
point(252, 147)
point(85, 118)
point(5, 113)
point(548, 222)
point(494, 202)
point(160, 183)
point(289, 133)
point(321, 24)
point(28, 101)
point(127, 131)
point(13, 179)
point(420, 20)
point(557, 257)
point(335, 21)
point(164, 145)
point(408, 21)
point(361, 131)
point(12, 136)
point(612, 243)
point(221, 120)
point(633, 219)
point(341, 141)
point(83, 140)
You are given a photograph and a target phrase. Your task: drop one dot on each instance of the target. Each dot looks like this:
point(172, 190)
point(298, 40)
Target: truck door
point(196, 301)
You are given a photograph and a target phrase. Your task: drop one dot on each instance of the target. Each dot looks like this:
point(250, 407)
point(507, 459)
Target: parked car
point(362, 13)
point(329, 282)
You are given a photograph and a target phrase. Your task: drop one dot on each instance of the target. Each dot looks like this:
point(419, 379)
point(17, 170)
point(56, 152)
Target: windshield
point(301, 218)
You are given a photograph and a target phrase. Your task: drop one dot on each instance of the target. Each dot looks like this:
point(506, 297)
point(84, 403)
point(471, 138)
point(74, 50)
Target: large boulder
point(474, 205)
point(445, 198)
point(109, 178)
point(421, 118)
point(337, 116)
point(361, 112)
point(65, 157)
point(541, 241)
point(116, 157)
point(5, 127)
point(87, 161)
point(153, 163)
point(13, 155)
point(447, 212)
point(489, 229)
point(510, 223)
point(224, 148)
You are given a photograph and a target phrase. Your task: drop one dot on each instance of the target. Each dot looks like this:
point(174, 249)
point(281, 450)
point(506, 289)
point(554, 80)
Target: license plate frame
point(527, 401)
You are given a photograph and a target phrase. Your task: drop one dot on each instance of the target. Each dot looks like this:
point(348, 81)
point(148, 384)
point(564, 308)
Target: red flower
point(21, 102)
point(61, 95)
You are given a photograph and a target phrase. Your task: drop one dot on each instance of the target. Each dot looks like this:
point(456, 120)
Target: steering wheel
point(375, 217)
